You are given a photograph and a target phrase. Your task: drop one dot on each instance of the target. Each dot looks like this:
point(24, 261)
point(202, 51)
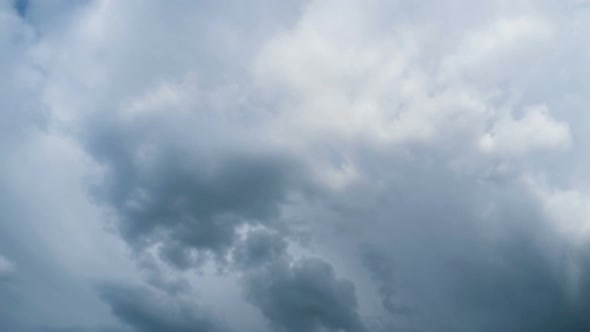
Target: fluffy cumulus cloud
point(294, 166)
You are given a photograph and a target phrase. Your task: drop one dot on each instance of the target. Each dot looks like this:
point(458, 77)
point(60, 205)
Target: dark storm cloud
point(306, 296)
point(510, 285)
point(515, 287)
point(192, 205)
point(382, 272)
point(147, 310)
point(294, 295)
point(260, 246)
point(435, 255)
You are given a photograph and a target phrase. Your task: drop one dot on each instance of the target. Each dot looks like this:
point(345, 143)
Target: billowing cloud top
point(294, 166)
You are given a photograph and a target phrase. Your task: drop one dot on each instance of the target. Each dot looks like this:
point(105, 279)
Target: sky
point(294, 166)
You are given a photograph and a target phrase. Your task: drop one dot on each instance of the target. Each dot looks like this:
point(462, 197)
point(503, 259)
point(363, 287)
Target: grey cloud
point(43, 291)
point(478, 251)
point(409, 128)
point(306, 296)
point(21, 6)
point(22, 110)
point(6, 266)
point(189, 204)
point(185, 160)
point(8, 323)
point(294, 295)
point(147, 310)
point(260, 246)
point(78, 329)
point(517, 288)
point(382, 272)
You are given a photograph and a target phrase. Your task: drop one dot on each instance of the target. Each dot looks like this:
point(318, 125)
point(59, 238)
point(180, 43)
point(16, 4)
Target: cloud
point(21, 7)
point(382, 271)
point(6, 266)
point(535, 131)
point(191, 158)
point(306, 296)
point(185, 164)
point(294, 294)
point(260, 246)
point(375, 134)
point(147, 310)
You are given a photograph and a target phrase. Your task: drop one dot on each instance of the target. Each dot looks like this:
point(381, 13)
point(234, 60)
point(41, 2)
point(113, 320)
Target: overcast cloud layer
point(294, 166)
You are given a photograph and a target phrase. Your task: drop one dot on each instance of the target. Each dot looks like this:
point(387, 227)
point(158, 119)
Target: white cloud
point(568, 210)
point(536, 130)
point(505, 40)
